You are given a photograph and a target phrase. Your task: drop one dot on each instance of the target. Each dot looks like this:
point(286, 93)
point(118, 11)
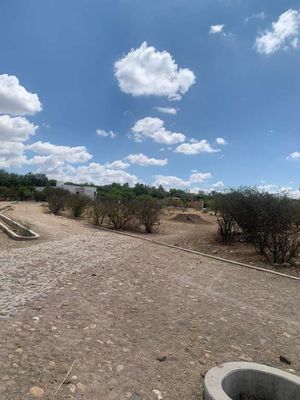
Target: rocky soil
point(87, 314)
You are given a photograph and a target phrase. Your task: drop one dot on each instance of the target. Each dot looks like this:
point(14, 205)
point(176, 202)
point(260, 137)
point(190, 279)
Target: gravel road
point(112, 304)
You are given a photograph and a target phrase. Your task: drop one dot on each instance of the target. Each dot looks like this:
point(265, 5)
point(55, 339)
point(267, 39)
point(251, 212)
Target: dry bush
point(148, 210)
point(270, 222)
point(126, 213)
point(98, 211)
point(56, 198)
point(227, 225)
point(77, 203)
point(120, 211)
point(280, 229)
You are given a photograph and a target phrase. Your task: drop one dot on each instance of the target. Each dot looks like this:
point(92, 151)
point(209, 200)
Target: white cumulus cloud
point(221, 141)
point(45, 162)
point(77, 154)
point(260, 15)
point(170, 181)
point(153, 128)
point(276, 189)
point(15, 129)
point(146, 71)
point(284, 33)
point(294, 156)
point(56, 168)
point(199, 177)
point(55, 161)
point(15, 99)
point(101, 175)
point(216, 28)
point(11, 154)
point(103, 133)
point(145, 161)
point(218, 186)
point(196, 147)
point(167, 110)
point(118, 164)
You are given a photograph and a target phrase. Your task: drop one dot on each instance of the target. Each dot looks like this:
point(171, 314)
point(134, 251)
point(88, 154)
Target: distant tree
point(8, 179)
point(24, 193)
point(5, 193)
point(141, 190)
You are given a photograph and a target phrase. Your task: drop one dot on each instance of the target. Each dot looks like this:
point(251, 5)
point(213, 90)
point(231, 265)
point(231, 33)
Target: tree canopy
point(12, 180)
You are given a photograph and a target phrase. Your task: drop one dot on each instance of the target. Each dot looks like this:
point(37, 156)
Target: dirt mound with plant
point(190, 218)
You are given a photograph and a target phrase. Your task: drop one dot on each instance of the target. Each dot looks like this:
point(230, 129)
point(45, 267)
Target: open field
point(112, 303)
point(202, 237)
point(49, 227)
point(199, 236)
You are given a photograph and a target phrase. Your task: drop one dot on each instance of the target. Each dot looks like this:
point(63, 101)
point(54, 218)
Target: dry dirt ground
point(48, 227)
point(111, 303)
point(202, 237)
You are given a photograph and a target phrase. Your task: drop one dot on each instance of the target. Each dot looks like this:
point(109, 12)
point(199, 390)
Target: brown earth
point(173, 229)
point(189, 218)
point(109, 306)
point(38, 219)
point(203, 238)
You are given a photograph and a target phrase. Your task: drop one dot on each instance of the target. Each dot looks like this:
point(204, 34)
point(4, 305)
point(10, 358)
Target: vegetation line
point(198, 253)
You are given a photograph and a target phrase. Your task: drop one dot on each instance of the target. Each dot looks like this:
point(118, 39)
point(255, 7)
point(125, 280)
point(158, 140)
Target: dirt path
point(48, 226)
point(111, 303)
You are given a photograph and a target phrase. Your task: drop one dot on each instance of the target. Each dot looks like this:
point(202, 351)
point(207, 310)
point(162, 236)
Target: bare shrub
point(98, 211)
point(148, 212)
point(270, 222)
point(56, 198)
point(227, 226)
point(77, 204)
point(247, 208)
point(132, 226)
point(281, 230)
point(120, 211)
point(282, 246)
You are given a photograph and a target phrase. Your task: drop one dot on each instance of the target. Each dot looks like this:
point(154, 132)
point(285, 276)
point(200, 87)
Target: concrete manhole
point(250, 381)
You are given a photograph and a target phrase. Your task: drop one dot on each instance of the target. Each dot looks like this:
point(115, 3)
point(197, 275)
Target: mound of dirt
point(190, 218)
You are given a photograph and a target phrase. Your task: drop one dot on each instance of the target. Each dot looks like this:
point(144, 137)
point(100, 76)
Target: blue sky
point(228, 68)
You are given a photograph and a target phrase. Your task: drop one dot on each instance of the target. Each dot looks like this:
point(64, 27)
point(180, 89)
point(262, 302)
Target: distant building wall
point(89, 191)
point(40, 188)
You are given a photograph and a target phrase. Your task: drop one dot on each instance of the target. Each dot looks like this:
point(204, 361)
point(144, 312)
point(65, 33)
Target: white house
point(89, 191)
